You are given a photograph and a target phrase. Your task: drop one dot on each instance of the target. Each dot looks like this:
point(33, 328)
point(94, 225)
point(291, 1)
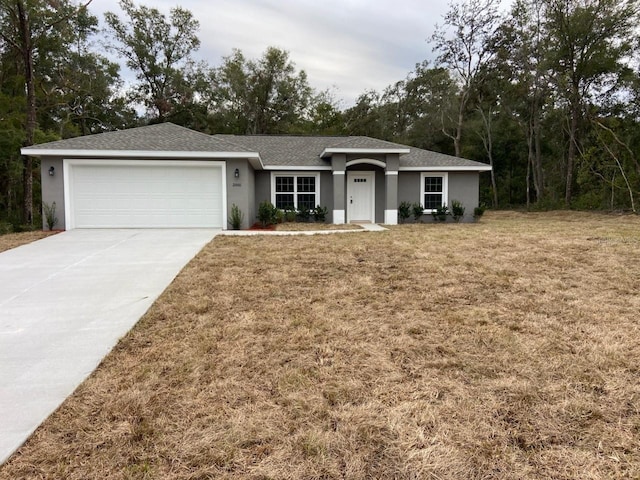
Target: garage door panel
point(153, 195)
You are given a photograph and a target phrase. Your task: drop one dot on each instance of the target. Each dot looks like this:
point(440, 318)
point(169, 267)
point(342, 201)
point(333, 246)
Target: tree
point(364, 118)
point(520, 62)
point(466, 51)
point(28, 29)
point(325, 116)
point(79, 89)
point(262, 96)
point(157, 50)
point(590, 40)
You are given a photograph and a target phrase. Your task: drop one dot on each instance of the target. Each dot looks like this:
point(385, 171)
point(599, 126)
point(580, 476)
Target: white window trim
point(445, 187)
point(295, 184)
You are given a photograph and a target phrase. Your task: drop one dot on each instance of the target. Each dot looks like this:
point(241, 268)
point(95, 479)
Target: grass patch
point(503, 349)
point(13, 240)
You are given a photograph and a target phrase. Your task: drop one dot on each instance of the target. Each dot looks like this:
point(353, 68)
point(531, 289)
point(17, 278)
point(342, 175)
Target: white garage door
point(144, 194)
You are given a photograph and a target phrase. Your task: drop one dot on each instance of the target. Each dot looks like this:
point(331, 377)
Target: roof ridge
point(352, 138)
point(280, 135)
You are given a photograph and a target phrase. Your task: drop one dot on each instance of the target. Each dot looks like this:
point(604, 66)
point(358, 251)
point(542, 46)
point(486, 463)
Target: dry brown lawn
point(13, 240)
point(507, 349)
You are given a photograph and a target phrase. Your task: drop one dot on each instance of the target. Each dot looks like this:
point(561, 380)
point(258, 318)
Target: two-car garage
point(115, 193)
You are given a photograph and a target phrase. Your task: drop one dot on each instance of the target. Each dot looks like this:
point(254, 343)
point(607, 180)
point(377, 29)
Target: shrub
point(417, 211)
point(279, 217)
point(320, 213)
point(289, 213)
point(440, 213)
point(267, 214)
point(50, 215)
point(479, 211)
point(236, 217)
point(5, 227)
point(304, 214)
point(457, 210)
point(404, 211)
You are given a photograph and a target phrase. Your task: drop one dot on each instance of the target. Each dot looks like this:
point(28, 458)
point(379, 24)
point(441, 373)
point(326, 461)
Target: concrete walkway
point(65, 301)
point(366, 227)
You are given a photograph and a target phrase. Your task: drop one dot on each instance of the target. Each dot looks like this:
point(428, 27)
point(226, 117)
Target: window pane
point(284, 184)
point(307, 184)
point(433, 184)
point(306, 200)
point(284, 200)
point(432, 201)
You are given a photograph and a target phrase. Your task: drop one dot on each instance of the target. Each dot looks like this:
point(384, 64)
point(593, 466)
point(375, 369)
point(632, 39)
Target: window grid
point(296, 191)
point(433, 191)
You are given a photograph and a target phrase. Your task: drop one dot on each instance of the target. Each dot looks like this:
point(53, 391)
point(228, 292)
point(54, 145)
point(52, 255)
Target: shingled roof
point(272, 150)
point(301, 150)
point(163, 137)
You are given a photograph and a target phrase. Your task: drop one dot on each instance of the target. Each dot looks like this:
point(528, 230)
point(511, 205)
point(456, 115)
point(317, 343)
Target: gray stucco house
point(163, 176)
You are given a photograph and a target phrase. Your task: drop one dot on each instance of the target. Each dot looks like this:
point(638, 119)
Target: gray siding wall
point(241, 190)
point(53, 189)
point(326, 193)
point(381, 196)
point(463, 186)
point(263, 190)
point(409, 187)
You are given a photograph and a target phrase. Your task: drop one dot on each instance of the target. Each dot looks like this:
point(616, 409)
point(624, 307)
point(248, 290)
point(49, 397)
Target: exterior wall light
point(52, 171)
point(235, 174)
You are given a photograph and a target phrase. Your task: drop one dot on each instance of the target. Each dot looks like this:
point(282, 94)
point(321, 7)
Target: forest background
point(546, 91)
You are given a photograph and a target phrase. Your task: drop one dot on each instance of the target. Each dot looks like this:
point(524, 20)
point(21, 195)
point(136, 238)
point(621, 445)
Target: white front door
point(361, 197)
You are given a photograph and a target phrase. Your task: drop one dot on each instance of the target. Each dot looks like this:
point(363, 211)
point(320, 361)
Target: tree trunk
point(458, 137)
point(30, 126)
point(573, 128)
point(538, 176)
point(487, 140)
point(529, 163)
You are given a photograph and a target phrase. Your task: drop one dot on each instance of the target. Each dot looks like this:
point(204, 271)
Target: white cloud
point(349, 46)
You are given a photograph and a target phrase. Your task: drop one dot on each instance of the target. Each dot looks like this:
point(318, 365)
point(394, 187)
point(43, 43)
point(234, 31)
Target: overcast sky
point(347, 46)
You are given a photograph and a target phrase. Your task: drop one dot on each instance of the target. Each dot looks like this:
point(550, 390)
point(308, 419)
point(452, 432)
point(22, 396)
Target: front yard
point(503, 349)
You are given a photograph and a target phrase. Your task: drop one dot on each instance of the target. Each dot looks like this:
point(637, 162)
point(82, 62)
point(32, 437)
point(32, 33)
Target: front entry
point(361, 197)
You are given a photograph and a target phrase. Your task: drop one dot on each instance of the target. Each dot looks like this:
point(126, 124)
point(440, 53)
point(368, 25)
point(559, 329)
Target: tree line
point(546, 92)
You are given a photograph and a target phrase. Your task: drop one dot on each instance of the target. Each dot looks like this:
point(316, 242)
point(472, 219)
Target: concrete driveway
point(64, 303)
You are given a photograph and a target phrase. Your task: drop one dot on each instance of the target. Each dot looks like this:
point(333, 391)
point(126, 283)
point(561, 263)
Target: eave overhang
point(253, 157)
point(327, 152)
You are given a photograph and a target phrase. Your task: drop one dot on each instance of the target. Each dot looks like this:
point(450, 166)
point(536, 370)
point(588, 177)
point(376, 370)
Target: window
point(300, 190)
point(434, 190)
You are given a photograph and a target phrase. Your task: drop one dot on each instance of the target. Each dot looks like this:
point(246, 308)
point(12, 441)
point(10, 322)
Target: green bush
point(320, 213)
point(479, 211)
point(236, 217)
point(304, 214)
point(267, 214)
point(289, 213)
point(417, 211)
point(457, 210)
point(6, 227)
point(50, 215)
point(440, 213)
point(404, 211)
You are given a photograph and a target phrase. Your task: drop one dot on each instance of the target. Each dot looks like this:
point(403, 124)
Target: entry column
point(391, 189)
point(339, 165)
